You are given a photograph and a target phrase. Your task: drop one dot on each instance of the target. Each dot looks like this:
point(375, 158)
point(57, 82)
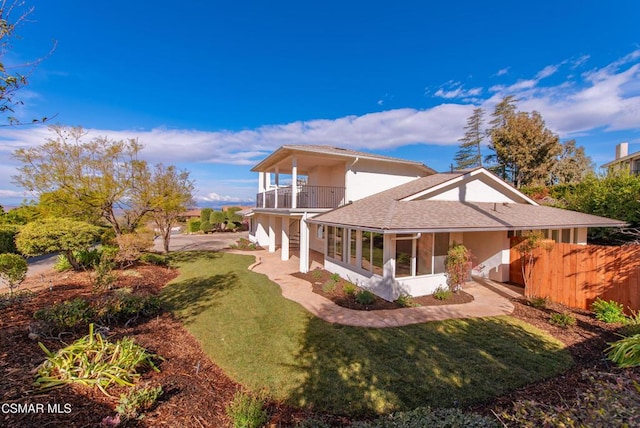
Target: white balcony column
point(284, 255)
point(304, 244)
point(272, 234)
point(262, 187)
point(277, 186)
point(294, 182)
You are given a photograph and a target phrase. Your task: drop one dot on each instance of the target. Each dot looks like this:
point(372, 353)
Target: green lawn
point(271, 344)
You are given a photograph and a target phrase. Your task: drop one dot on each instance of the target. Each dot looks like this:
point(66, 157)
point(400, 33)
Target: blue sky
point(213, 87)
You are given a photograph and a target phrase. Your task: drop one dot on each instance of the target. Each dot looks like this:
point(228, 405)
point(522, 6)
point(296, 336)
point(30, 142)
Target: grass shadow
point(457, 363)
point(191, 297)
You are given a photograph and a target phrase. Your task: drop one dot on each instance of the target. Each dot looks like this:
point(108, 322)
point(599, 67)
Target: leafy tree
point(501, 113)
point(457, 264)
point(171, 195)
point(23, 214)
point(572, 164)
point(524, 149)
point(217, 219)
point(12, 15)
point(13, 270)
point(205, 224)
point(53, 235)
point(469, 154)
point(616, 195)
point(101, 178)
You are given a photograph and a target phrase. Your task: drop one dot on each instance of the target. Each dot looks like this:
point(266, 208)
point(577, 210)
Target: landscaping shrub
point(316, 274)
point(94, 361)
point(154, 259)
point(103, 276)
point(562, 320)
point(349, 289)
point(442, 293)
point(609, 312)
point(66, 315)
point(365, 297)
point(537, 302)
point(432, 418)
point(244, 244)
point(611, 400)
point(329, 286)
point(13, 270)
point(8, 239)
point(125, 307)
point(193, 226)
point(625, 352)
point(87, 259)
point(136, 401)
point(62, 263)
point(458, 265)
point(132, 245)
point(335, 277)
point(18, 296)
point(632, 325)
point(205, 226)
point(246, 411)
point(406, 301)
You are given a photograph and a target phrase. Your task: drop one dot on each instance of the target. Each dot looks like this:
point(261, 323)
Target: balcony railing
point(305, 197)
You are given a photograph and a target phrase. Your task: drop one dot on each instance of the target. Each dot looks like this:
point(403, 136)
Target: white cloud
point(451, 90)
point(503, 71)
point(549, 70)
point(214, 197)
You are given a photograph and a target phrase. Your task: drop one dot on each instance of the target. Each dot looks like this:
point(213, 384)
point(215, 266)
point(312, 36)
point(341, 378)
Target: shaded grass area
point(269, 343)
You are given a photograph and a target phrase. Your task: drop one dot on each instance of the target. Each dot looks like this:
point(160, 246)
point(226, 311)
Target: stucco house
point(624, 160)
point(386, 224)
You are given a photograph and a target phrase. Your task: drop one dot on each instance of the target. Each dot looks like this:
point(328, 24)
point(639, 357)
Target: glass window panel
point(366, 251)
point(566, 236)
point(353, 243)
point(377, 252)
point(331, 241)
point(404, 253)
point(339, 234)
point(555, 235)
point(575, 235)
point(441, 247)
point(424, 254)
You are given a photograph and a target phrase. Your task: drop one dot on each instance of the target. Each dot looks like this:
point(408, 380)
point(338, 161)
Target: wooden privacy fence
point(575, 275)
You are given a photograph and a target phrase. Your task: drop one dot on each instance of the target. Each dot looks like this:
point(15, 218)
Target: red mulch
point(319, 277)
point(196, 391)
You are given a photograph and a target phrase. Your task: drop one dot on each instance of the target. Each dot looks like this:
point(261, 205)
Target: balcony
point(305, 197)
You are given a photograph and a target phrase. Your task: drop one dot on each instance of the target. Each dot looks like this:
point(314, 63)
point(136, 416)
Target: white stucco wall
point(490, 251)
point(476, 188)
point(327, 176)
point(366, 177)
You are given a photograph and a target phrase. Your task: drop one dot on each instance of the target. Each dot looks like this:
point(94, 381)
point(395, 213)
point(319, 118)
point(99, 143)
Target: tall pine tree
point(469, 154)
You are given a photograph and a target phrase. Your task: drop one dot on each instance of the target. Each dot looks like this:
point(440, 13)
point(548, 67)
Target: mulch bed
point(196, 391)
point(319, 277)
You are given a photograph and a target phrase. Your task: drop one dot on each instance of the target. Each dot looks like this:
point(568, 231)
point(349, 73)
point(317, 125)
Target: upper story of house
point(624, 160)
point(323, 177)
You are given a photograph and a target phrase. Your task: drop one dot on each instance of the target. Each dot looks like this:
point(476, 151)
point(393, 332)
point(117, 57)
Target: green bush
point(109, 363)
point(87, 258)
point(442, 293)
point(562, 320)
point(8, 299)
point(205, 226)
point(609, 312)
point(193, 226)
point(335, 277)
point(329, 286)
point(246, 411)
point(154, 259)
point(406, 301)
point(631, 325)
point(8, 238)
point(136, 401)
point(66, 315)
point(625, 352)
point(365, 297)
point(432, 418)
point(537, 302)
point(124, 307)
point(103, 276)
point(316, 274)
point(349, 289)
point(62, 263)
point(611, 400)
point(13, 270)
